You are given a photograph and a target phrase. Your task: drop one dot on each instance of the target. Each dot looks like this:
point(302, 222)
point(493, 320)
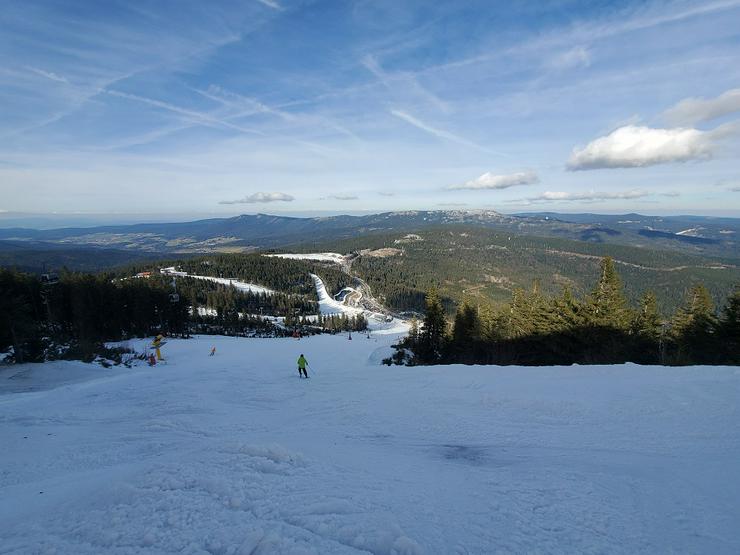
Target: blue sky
point(299, 106)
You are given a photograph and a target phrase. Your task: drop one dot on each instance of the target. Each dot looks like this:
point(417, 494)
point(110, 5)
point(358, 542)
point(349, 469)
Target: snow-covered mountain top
point(235, 454)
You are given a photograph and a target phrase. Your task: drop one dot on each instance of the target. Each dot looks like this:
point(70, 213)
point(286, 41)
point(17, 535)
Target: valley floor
point(234, 454)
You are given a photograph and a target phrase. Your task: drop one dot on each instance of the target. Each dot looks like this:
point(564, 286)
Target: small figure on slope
point(213, 351)
point(302, 362)
point(157, 344)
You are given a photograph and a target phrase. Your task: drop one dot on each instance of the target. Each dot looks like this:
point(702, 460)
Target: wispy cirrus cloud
point(255, 198)
point(439, 133)
point(342, 197)
point(691, 111)
point(457, 95)
point(628, 21)
point(271, 4)
point(634, 146)
point(578, 56)
point(588, 196)
point(194, 116)
point(48, 74)
point(492, 181)
point(241, 106)
point(403, 82)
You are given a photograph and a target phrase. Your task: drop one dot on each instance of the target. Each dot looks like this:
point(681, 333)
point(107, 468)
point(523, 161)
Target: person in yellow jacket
point(157, 344)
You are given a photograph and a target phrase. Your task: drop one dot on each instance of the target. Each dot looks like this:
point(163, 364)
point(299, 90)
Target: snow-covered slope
point(239, 285)
point(233, 454)
point(376, 322)
point(327, 304)
point(318, 256)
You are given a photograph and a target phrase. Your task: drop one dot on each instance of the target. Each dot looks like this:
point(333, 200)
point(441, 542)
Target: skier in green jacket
point(302, 362)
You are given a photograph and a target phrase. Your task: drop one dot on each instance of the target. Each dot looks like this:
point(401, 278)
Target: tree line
point(600, 328)
point(281, 274)
point(327, 322)
point(74, 316)
point(221, 298)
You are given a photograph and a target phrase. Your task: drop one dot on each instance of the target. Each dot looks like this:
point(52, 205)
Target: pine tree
point(517, 321)
point(465, 334)
point(647, 331)
point(729, 328)
point(433, 331)
point(607, 305)
point(568, 312)
point(17, 322)
point(694, 327)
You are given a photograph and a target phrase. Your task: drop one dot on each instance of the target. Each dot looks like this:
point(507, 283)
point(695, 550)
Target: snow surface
point(376, 322)
point(327, 303)
point(320, 256)
point(239, 285)
point(233, 454)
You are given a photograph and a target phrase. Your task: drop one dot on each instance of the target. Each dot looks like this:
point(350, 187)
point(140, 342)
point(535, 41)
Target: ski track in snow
point(318, 256)
point(375, 321)
point(239, 285)
point(327, 303)
point(233, 454)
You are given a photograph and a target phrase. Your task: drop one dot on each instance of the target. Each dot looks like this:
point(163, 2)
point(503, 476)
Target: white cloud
point(491, 181)
point(271, 4)
point(691, 111)
point(260, 197)
point(637, 146)
point(559, 196)
point(734, 189)
point(575, 57)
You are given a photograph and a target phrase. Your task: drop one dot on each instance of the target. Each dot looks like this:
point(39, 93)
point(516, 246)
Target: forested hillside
point(283, 275)
point(487, 266)
point(71, 315)
point(600, 328)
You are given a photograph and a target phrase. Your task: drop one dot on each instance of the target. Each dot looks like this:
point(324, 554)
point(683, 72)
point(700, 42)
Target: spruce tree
point(729, 328)
point(433, 331)
point(694, 327)
point(647, 331)
point(607, 304)
point(466, 333)
point(517, 320)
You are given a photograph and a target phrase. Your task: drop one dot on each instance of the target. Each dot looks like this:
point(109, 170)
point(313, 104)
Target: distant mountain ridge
point(706, 236)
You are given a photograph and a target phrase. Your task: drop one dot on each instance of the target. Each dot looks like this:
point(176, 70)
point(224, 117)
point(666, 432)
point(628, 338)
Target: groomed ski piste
point(376, 322)
point(234, 454)
point(334, 257)
point(242, 286)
